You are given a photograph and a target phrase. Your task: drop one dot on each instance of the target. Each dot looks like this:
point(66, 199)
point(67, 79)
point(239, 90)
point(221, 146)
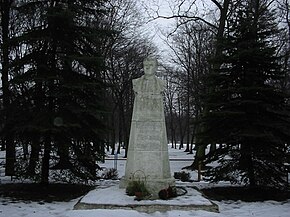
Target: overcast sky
point(160, 28)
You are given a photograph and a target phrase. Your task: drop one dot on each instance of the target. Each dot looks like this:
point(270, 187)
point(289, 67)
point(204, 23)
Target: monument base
point(154, 185)
point(114, 198)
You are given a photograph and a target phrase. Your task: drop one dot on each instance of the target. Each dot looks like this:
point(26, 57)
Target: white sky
point(160, 28)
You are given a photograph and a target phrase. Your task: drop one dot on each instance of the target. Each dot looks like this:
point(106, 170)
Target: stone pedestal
point(147, 157)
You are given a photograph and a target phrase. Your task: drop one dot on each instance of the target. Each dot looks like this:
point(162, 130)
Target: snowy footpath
point(10, 208)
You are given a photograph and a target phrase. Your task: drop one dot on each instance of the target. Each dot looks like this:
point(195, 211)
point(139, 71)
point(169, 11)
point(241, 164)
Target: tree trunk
point(200, 143)
point(212, 148)
point(120, 127)
point(181, 135)
point(9, 140)
point(200, 150)
point(175, 142)
point(34, 156)
point(10, 156)
point(246, 162)
point(113, 132)
point(191, 142)
point(113, 141)
point(25, 149)
point(171, 126)
point(63, 152)
point(45, 161)
point(188, 115)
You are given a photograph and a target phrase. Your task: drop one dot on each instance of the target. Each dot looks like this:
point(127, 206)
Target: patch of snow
point(115, 195)
point(65, 209)
point(11, 208)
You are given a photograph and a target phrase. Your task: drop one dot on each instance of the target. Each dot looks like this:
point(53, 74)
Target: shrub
point(137, 188)
point(183, 176)
point(111, 173)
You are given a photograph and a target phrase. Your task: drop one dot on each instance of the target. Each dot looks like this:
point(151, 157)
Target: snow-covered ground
point(10, 208)
point(65, 209)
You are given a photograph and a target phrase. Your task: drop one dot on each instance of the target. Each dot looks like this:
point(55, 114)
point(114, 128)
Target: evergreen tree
point(59, 97)
point(5, 34)
point(248, 114)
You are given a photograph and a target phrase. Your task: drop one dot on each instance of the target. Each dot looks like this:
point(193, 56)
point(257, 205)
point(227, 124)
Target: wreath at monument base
point(167, 193)
point(137, 187)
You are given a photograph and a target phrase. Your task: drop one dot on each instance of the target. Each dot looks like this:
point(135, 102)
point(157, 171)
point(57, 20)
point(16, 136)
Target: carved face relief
point(150, 66)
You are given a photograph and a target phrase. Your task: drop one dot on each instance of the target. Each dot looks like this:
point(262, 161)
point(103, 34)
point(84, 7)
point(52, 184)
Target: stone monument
point(147, 156)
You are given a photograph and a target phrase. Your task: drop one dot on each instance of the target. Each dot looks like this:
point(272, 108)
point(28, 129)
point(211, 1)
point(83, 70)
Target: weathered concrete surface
point(147, 157)
point(149, 208)
point(115, 198)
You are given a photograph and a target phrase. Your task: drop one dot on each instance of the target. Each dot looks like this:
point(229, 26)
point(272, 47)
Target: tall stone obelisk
point(147, 156)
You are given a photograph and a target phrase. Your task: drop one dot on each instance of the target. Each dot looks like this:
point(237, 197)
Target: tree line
point(228, 99)
point(66, 71)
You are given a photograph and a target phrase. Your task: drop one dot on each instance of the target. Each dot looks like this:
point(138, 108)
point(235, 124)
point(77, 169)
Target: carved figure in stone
point(148, 89)
point(148, 150)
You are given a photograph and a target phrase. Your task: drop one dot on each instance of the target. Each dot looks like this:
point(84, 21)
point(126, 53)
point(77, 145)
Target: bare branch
point(190, 18)
point(179, 6)
point(217, 4)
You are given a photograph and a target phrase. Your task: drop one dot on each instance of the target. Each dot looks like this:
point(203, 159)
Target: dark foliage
point(167, 193)
point(247, 113)
point(246, 194)
point(58, 92)
point(183, 176)
point(36, 192)
point(110, 173)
